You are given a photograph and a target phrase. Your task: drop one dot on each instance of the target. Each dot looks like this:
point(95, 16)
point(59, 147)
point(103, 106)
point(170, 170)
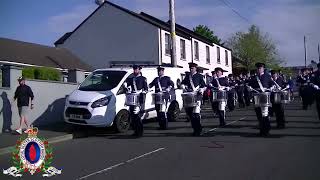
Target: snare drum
point(158, 98)
point(132, 99)
point(262, 99)
point(189, 99)
point(285, 97)
point(276, 97)
point(219, 96)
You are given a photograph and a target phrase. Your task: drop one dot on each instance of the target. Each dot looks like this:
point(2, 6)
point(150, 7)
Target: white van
point(99, 100)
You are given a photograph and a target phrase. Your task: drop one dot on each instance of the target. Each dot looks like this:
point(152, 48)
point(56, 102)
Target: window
point(227, 60)
point(208, 54)
point(196, 50)
point(218, 55)
point(167, 44)
point(102, 80)
point(182, 49)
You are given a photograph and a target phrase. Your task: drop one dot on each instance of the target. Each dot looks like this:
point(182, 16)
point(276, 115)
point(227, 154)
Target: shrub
point(42, 73)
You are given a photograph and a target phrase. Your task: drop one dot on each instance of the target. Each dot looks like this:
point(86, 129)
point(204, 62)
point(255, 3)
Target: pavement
point(232, 152)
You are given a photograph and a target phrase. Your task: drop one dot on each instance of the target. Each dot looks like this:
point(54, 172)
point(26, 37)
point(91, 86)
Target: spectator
point(24, 97)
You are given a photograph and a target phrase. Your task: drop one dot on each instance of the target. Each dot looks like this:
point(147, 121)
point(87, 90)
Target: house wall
point(111, 34)
point(49, 101)
point(190, 54)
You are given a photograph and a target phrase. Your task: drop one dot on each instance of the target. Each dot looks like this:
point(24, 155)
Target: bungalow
point(24, 54)
point(113, 35)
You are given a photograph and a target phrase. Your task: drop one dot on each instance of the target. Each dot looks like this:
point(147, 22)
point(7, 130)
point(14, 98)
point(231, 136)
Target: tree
point(252, 47)
point(208, 33)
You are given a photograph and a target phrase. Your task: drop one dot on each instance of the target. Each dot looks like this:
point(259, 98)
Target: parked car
point(99, 100)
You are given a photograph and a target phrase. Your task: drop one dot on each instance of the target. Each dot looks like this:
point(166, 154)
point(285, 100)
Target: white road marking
point(214, 129)
point(120, 164)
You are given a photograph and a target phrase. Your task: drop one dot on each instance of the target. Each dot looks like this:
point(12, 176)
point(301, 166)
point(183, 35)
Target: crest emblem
point(32, 154)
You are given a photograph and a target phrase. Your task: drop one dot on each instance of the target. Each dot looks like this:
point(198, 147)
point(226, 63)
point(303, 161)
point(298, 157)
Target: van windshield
point(102, 80)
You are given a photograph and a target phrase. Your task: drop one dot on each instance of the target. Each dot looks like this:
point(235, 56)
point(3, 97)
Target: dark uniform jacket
point(141, 83)
point(280, 81)
point(223, 81)
point(265, 80)
point(197, 80)
point(303, 80)
point(316, 78)
point(165, 82)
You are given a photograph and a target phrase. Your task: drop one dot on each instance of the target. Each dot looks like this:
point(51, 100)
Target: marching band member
point(137, 84)
point(262, 82)
point(232, 92)
point(278, 108)
point(220, 83)
point(316, 84)
point(164, 84)
point(305, 89)
point(240, 81)
point(191, 83)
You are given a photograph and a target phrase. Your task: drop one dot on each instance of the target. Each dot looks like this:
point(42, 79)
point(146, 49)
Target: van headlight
point(101, 102)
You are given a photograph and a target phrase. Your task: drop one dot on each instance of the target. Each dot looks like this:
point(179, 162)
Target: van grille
point(78, 111)
point(78, 103)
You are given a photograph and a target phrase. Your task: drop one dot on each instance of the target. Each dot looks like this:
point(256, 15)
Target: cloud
point(286, 21)
point(67, 21)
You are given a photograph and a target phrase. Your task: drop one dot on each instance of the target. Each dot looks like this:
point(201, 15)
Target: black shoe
point(196, 133)
point(264, 134)
point(281, 126)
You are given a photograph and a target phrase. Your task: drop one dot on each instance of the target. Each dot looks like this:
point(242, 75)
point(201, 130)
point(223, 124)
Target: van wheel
point(173, 112)
point(122, 121)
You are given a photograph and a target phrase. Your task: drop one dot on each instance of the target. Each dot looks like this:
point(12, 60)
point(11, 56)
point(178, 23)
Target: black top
point(265, 81)
point(197, 80)
point(22, 94)
point(222, 81)
point(165, 82)
point(141, 83)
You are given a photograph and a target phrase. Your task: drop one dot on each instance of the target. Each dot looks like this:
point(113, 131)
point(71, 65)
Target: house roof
point(39, 55)
point(180, 30)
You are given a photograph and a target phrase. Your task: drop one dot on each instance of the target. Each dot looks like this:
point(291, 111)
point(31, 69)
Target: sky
point(285, 21)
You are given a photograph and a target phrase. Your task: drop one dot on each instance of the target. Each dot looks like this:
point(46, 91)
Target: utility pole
point(319, 52)
point(173, 34)
point(305, 51)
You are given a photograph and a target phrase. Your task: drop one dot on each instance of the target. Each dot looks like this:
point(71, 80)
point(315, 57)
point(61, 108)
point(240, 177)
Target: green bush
point(42, 73)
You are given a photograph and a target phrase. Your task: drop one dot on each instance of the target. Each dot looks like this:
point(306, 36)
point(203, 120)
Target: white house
point(114, 35)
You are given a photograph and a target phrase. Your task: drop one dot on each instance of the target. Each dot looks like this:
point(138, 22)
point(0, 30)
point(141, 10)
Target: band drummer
point(194, 82)
point(162, 84)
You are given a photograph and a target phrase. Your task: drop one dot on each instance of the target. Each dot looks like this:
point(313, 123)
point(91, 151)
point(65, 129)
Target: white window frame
point(182, 49)
point(218, 55)
point(167, 44)
point(208, 59)
point(227, 57)
point(196, 50)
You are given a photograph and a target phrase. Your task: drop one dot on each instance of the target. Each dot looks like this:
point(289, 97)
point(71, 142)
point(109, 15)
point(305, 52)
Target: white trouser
point(265, 111)
point(197, 108)
point(136, 110)
point(222, 105)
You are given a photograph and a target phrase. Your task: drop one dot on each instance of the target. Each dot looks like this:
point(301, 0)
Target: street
point(232, 152)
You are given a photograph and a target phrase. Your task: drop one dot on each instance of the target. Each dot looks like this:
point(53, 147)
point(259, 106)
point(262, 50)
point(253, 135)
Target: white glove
point(168, 89)
point(228, 88)
point(287, 86)
point(273, 88)
point(316, 87)
point(200, 91)
point(183, 86)
point(125, 84)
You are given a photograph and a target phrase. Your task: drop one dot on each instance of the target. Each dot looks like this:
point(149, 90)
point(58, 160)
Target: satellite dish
point(99, 2)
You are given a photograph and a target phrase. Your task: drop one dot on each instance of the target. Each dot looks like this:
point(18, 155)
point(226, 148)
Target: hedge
point(42, 73)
